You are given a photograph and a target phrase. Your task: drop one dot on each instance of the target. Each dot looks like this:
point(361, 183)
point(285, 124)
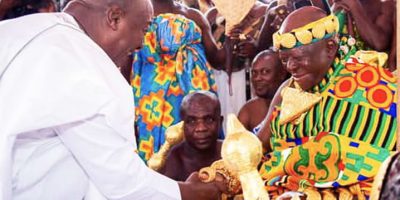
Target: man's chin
point(203, 146)
point(261, 93)
point(305, 84)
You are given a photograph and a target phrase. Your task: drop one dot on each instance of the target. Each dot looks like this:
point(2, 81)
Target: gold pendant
point(295, 102)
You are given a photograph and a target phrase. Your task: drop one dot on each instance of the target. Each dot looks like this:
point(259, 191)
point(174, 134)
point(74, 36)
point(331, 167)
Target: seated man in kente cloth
point(333, 123)
point(201, 113)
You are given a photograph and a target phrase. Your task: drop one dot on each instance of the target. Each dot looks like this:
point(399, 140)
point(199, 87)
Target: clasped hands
point(212, 182)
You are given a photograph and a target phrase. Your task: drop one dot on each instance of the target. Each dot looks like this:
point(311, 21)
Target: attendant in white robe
point(67, 113)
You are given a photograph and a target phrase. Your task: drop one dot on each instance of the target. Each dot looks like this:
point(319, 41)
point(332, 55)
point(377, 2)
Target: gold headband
point(310, 33)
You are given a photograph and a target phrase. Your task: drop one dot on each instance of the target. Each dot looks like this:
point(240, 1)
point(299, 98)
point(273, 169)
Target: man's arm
point(111, 164)
point(215, 55)
point(244, 116)
point(376, 32)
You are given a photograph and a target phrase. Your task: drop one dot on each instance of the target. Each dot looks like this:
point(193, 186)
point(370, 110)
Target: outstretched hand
point(194, 189)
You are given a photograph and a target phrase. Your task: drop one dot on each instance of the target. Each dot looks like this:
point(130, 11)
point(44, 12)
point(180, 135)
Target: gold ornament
point(295, 102)
point(173, 135)
point(276, 38)
point(288, 40)
point(356, 190)
point(304, 36)
point(328, 195)
point(373, 58)
point(335, 24)
point(319, 29)
point(208, 174)
point(241, 152)
point(312, 194)
point(345, 194)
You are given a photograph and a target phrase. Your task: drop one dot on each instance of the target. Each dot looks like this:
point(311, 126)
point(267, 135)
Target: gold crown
point(312, 32)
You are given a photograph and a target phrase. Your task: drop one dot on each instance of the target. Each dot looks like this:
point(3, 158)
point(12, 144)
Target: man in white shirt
point(66, 112)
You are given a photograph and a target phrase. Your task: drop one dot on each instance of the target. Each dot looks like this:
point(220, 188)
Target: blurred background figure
point(62, 3)
point(18, 8)
point(267, 74)
point(371, 23)
point(234, 83)
point(5, 6)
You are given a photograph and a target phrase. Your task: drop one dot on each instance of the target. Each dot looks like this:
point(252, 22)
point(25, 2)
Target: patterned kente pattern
point(344, 138)
point(171, 64)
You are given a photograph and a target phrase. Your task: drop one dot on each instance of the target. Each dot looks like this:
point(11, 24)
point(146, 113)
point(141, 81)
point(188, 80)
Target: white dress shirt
point(66, 118)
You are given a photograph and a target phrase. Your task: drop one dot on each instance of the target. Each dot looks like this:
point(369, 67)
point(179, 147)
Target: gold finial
point(173, 135)
point(241, 153)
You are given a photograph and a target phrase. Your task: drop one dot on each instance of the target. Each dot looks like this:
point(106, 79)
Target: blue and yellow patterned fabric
point(171, 64)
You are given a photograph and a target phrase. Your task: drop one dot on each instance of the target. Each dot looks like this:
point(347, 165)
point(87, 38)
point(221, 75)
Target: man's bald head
point(200, 97)
point(302, 17)
point(117, 26)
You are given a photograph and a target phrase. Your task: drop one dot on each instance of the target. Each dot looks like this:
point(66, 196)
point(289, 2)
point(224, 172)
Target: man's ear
point(332, 46)
point(114, 16)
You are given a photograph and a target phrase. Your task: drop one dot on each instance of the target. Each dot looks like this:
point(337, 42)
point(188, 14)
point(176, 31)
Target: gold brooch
point(295, 102)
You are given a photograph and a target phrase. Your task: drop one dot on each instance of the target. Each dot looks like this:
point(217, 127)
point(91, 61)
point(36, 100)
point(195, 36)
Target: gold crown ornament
point(310, 33)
